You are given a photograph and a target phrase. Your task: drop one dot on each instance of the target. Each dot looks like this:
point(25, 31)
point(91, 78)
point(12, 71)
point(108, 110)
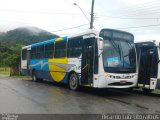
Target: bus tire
point(73, 82)
point(34, 77)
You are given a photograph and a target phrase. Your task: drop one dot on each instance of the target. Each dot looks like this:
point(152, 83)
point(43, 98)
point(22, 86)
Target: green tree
point(13, 59)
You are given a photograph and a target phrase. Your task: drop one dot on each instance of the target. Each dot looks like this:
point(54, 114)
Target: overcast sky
point(140, 17)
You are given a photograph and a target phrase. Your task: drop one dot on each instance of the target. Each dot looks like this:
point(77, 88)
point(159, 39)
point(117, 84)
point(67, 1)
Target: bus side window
point(74, 47)
point(60, 49)
point(40, 52)
point(24, 54)
point(49, 50)
point(33, 52)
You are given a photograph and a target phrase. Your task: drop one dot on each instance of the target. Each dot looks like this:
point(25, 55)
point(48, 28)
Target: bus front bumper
point(110, 81)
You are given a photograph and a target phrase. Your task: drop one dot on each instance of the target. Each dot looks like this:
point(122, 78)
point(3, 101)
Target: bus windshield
point(119, 55)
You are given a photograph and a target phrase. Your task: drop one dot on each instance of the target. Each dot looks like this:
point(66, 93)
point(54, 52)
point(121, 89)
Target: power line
point(135, 10)
point(157, 25)
point(132, 15)
point(134, 7)
point(70, 28)
point(140, 5)
point(153, 7)
point(71, 33)
point(144, 11)
point(36, 12)
point(116, 17)
point(141, 11)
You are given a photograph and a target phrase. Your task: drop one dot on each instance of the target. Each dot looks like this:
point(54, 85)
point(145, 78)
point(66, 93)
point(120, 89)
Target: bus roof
point(116, 30)
point(90, 31)
point(65, 37)
point(93, 31)
point(25, 47)
point(47, 41)
point(97, 32)
point(156, 42)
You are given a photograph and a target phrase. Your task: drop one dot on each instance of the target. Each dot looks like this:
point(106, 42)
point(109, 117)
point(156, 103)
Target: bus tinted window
point(74, 47)
point(24, 54)
point(108, 34)
point(60, 49)
point(119, 35)
point(33, 52)
point(49, 50)
point(40, 51)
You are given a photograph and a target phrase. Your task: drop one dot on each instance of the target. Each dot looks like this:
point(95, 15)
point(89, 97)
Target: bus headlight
point(107, 75)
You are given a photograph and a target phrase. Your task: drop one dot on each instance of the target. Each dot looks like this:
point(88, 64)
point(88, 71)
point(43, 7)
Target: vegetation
point(4, 70)
point(12, 41)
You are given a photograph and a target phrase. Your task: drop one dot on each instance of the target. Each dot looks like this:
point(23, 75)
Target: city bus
point(99, 59)
point(148, 54)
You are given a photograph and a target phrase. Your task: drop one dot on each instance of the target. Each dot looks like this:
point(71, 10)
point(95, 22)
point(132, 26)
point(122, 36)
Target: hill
point(26, 36)
point(12, 41)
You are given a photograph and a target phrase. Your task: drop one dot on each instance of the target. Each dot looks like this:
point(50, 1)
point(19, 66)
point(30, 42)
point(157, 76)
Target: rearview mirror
point(101, 45)
point(100, 42)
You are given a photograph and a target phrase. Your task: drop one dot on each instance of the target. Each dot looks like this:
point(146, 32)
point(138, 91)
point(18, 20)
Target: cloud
point(53, 15)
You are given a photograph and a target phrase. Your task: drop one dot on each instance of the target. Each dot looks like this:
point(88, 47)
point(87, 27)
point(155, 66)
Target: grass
point(19, 76)
point(4, 70)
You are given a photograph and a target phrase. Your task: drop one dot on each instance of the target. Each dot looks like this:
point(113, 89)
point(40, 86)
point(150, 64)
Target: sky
point(62, 17)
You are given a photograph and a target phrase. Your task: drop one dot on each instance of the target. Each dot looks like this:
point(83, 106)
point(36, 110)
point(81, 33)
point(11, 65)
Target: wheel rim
point(34, 76)
point(73, 82)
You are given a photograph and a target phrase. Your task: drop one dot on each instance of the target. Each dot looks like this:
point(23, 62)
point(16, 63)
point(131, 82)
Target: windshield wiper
point(117, 48)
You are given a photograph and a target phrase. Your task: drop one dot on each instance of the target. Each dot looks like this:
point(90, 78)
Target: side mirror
point(101, 45)
point(100, 41)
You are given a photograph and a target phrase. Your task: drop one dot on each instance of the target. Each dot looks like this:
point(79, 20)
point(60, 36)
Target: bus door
point(158, 73)
point(28, 61)
point(88, 56)
point(148, 65)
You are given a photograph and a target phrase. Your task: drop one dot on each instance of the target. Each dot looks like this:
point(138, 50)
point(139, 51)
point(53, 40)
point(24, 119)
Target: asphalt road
point(25, 96)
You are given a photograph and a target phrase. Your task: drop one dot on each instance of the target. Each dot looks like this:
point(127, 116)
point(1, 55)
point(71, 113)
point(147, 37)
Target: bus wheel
point(34, 77)
point(73, 81)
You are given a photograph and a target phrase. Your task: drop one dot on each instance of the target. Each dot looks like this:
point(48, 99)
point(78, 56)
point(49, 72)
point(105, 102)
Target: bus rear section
point(148, 66)
point(25, 59)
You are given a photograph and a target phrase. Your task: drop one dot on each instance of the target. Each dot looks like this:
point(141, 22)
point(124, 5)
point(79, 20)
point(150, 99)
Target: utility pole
point(92, 14)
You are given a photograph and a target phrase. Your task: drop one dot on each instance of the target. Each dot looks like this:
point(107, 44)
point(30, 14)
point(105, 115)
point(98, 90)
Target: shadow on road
point(101, 92)
point(87, 90)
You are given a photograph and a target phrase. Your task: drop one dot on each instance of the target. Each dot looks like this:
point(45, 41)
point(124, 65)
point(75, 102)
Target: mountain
point(12, 41)
point(26, 36)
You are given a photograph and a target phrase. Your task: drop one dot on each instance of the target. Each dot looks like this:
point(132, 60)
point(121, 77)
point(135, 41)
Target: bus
point(148, 54)
point(99, 59)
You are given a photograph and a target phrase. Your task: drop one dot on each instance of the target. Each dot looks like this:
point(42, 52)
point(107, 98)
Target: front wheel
point(34, 77)
point(73, 81)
